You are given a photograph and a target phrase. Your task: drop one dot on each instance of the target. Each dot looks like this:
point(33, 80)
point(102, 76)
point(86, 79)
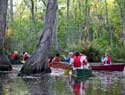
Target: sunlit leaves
point(24, 31)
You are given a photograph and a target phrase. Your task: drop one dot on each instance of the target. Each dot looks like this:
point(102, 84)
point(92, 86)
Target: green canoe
point(82, 74)
point(15, 62)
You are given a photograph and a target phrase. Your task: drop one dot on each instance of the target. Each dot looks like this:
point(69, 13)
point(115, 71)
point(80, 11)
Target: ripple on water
point(57, 84)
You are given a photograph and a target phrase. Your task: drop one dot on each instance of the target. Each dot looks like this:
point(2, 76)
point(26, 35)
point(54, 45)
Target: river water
point(102, 83)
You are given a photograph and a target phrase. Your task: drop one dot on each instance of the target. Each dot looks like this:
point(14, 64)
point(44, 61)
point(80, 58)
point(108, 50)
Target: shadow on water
point(103, 83)
point(37, 85)
point(11, 84)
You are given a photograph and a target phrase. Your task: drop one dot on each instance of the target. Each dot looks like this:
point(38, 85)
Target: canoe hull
point(59, 65)
point(115, 67)
point(82, 74)
point(15, 62)
point(118, 67)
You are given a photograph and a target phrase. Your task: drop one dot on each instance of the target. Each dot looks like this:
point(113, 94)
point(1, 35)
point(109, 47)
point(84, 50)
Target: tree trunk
point(11, 12)
point(87, 23)
point(4, 62)
point(31, 6)
point(121, 4)
point(123, 21)
point(108, 27)
point(37, 63)
point(54, 37)
point(44, 3)
point(33, 15)
point(67, 26)
point(79, 25)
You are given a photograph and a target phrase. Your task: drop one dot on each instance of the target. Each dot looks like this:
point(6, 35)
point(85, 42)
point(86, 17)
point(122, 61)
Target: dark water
point(102, 83)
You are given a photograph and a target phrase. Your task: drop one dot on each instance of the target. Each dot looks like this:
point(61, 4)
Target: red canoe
point(117, 67)
point(59, 65)
point(114, 67)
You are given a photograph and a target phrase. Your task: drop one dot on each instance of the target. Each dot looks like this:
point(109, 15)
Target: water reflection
point(106, 81)
point(38, 85)
point(103, 83)
point(59, 86)
point(12, 86)
point(78, 87)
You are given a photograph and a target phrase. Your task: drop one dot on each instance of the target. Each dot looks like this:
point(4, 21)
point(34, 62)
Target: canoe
point(82, 74)
point(15, 62)
point(59, 65)
point(5, 67)
point(4, 63)
point(115, 67)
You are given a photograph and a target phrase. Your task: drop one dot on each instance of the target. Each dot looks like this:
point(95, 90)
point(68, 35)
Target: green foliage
point(72, 32)
point(118, 54)
point(93, 54)
point(101, 43)
point(22, 36)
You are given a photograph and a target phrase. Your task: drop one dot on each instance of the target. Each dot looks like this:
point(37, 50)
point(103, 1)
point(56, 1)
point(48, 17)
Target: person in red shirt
point(80, 61)
point(25, 57)
point(109, 59)
point(14, 56)
point(50, 58)
point(57, 58)
point(76, 58)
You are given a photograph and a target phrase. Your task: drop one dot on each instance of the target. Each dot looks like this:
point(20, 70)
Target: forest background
point(92, 27)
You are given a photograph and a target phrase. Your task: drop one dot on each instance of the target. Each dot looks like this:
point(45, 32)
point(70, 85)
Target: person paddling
point(25, 57)
point(109, 59)
point(84, 61)
point(106, 60)
point(69, 58)
point(14, 56)
point(79, 61)
point(76, 61)
point(57, 58)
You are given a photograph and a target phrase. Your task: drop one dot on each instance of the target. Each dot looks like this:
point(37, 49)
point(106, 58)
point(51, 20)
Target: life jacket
point(57, 59)
point(25, 57)
point(85, 62)
point(14, 56)
point(109, 60)
point(77, 62)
